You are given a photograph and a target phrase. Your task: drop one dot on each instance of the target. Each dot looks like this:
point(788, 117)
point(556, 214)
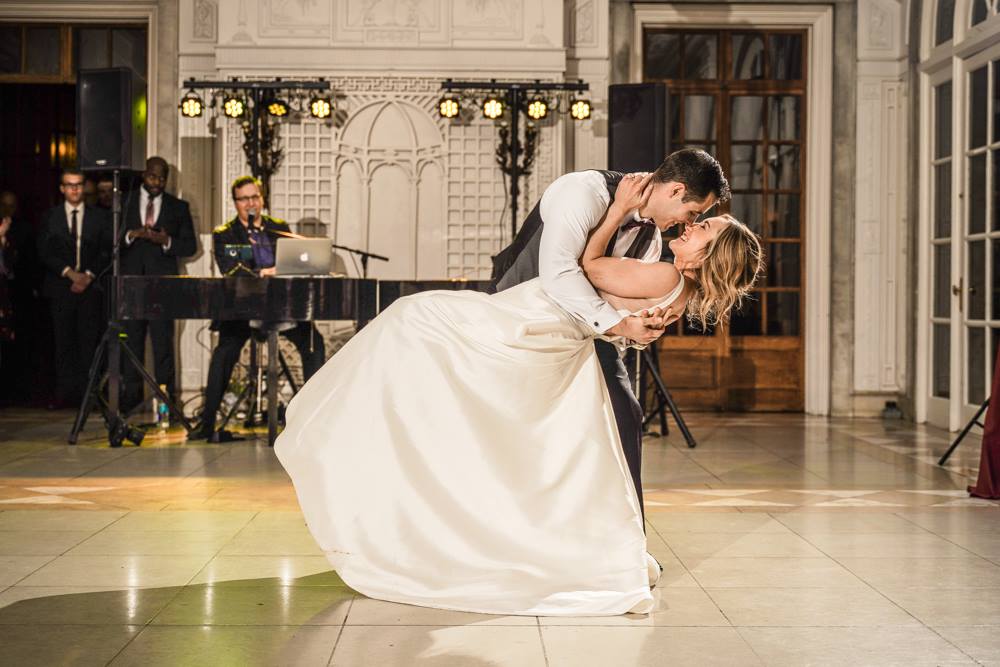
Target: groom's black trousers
point(628, 412)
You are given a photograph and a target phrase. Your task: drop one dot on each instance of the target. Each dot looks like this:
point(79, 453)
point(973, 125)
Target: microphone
point(251, 216)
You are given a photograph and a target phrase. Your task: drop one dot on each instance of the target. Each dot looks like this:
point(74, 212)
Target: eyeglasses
point(247, 199)
point(70, 186)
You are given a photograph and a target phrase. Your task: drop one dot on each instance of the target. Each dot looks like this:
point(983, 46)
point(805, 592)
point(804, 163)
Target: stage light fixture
point(580, 109)
point(320, 107)
point(538, 108)
point(277, 107)
point(493, 107)
point(448, 106)
point(191, 105)
point(234, 107)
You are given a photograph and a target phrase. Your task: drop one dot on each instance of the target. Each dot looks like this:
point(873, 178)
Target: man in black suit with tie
point(74, 246)
point(158, 232)
point(246, 246)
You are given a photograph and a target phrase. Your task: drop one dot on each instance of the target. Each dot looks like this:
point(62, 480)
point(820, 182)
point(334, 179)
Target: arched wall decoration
point(448, 220)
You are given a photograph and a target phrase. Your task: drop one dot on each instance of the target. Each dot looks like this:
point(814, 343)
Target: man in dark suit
point(245, 246)
point(74, 246)
point(159, 231)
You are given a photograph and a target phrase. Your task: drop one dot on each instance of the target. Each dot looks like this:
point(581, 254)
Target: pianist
point(249, 228)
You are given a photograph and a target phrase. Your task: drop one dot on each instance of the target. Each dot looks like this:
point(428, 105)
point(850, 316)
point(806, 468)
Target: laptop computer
point(303, 257)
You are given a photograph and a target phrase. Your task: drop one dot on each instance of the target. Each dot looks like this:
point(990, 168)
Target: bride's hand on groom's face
point(633, 192)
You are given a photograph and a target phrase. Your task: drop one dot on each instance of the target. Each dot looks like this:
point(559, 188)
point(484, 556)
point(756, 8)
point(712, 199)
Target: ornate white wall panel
point(880, 294)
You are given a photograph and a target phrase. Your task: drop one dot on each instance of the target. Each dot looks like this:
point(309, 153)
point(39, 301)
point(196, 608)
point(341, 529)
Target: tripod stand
point(110, 349)
point(965, 431)
point(252, 393)
point(646, 368)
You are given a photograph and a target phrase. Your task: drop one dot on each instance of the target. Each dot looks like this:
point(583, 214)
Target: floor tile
point(257, 605)
point(982, 642)
point(689, 607)
point(906, 545)
point(809, 523)
point(853, 607)
point(713, 572)
point(969, 572)
point(43, 519)
point(73, 605)
point(645, 647)
point(700, 545)
point(251, 542)
point(219, 521)
point(889, 646)
point(40, 542)
point(366, 611)
point(456, 646)
point(949, 606)
point(154, 543)
point(730, 522)
point(123, 571)
point(14, 569)
point(72, 645)
point(252, 646)
point(286, 570)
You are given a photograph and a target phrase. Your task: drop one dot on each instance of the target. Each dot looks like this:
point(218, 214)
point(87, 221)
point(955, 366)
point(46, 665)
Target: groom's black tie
point(640, 244)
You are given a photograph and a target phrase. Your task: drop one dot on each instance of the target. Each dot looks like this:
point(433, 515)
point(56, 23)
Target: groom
point(551, 240)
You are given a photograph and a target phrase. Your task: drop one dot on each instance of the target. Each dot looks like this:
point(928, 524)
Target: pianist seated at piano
point(245, 246)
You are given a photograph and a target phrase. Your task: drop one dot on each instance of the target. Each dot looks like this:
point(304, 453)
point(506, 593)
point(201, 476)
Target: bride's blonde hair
point(732, 262)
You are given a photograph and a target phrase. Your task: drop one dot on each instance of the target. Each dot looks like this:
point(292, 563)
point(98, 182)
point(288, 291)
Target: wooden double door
point(740, 95)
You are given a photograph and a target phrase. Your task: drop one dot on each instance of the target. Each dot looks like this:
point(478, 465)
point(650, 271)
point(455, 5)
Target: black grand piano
point(273, 299)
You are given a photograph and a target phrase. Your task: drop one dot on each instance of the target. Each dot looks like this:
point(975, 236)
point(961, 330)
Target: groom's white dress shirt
point(571, 207)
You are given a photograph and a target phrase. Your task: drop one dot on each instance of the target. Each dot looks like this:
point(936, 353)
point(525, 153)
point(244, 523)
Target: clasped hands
point(156, 236)
point(80, 279)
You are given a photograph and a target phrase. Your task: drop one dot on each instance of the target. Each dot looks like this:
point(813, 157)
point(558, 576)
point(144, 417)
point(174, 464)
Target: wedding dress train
point(460, 452)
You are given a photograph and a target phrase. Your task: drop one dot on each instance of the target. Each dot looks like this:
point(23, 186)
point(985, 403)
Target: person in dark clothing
point(158, 232)
point(74, 247)
point(249, 228)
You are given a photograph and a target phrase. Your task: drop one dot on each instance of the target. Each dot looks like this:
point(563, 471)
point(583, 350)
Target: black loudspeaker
point(638, 136)
point(111, 119)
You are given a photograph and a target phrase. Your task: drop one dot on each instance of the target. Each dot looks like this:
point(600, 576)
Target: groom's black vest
point(518, 262)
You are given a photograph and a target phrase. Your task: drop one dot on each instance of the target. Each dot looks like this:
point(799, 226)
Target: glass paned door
point(740, 95)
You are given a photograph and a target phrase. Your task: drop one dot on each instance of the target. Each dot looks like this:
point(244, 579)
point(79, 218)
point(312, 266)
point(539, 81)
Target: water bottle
point(162, 411)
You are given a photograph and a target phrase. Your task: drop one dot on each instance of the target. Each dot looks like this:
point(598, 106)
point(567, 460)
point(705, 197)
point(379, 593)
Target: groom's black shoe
point(222, 435)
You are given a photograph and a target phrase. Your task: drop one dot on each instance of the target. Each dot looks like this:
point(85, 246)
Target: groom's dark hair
point(698, 171)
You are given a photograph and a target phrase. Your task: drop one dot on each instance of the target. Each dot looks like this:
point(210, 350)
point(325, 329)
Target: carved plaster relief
point(292, 18)
point(205, 23)
point(500, 19)
point(391, 21)
point(584, 24)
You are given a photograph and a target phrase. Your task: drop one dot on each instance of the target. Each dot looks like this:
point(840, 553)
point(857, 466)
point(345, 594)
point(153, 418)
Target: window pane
point(128, 49)
point(786, 56)
point(747, 118)
point(975, 369)
point(783, 118)
point(747, 320)
point(977, 107)
point(996, 190)
point(945, 21)
point(43, 51)
point(784, 216)
point(980, 10)
point(746, 168)
point(783, 268)
point(941, 362)
point(92, 48)
point(675, 120)
point(942, 120)
point(996, 280)
point(783, 163)
point(782, 314)
point(663, 55)
point(701, 57)
point(748, 209)
point(10, 49)
point(976, 291)
point(977, 194)
point(699, 117)
point(942, 280)
point(748, 56)
point(942, 201)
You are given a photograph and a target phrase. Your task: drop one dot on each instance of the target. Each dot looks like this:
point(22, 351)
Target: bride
point(460, 452)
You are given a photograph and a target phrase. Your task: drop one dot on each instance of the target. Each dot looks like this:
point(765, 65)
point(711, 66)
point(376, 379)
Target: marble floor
point(785, 540)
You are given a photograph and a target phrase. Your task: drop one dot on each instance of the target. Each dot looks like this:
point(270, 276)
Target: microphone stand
point(364, 255)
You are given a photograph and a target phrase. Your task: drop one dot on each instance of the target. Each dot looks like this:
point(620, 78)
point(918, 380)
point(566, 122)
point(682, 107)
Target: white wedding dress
point(460, 452)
